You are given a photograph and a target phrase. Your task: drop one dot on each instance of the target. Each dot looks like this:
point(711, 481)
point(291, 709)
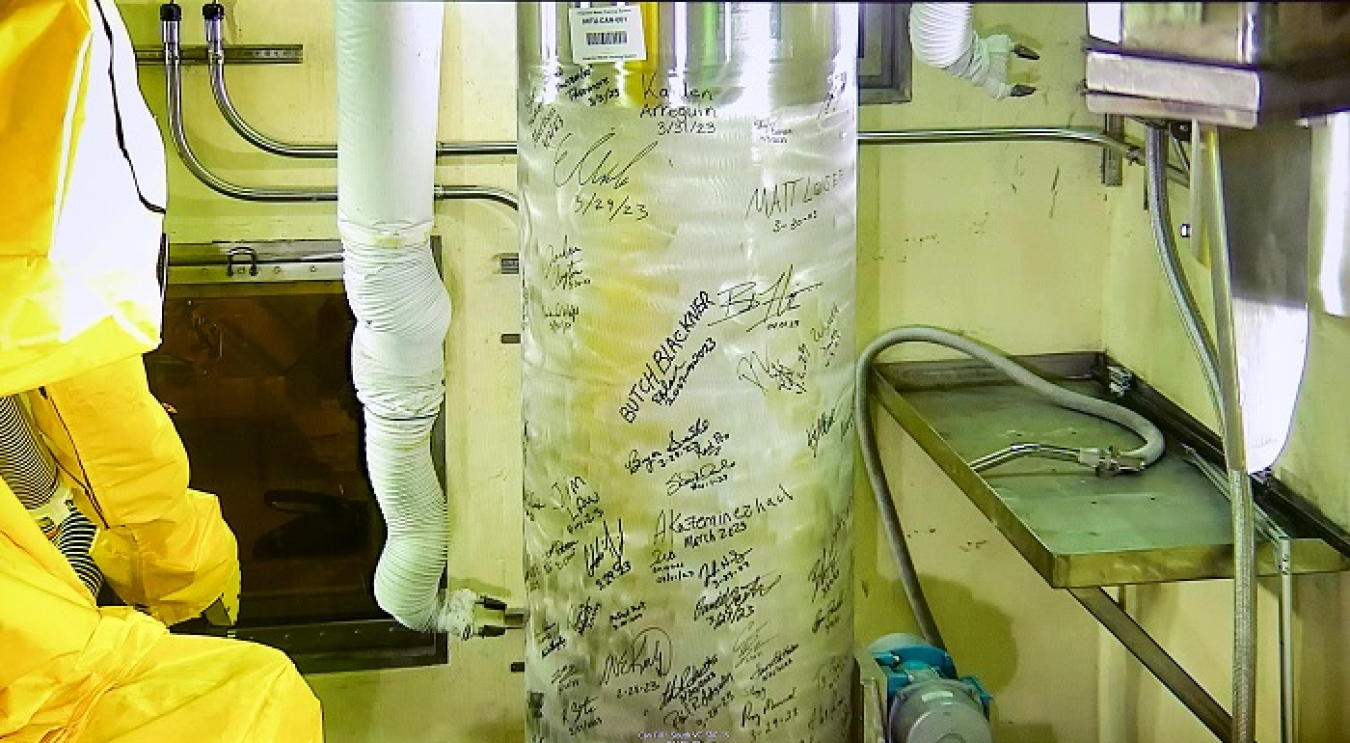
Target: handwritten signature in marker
point(597, 166)
point(762, 304)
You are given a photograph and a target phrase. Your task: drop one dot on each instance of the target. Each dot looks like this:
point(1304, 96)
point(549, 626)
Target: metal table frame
point(1118, 548)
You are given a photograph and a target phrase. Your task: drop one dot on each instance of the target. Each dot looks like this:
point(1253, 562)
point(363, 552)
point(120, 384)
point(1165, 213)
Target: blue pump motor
point(926, 701)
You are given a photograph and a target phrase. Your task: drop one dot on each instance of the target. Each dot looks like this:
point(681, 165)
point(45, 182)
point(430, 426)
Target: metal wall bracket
point(1157, 660)
point(195, 54)
point(254, 262)
point(1113, 164)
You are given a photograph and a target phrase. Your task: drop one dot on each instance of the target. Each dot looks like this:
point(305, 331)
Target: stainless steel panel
point(1135, 85)
point(870, 707)
point(252, 262)
point(1200, 84)
point(1329, 223)
point(353, 645)
point(1111, 104)
point(1267, 34)
point(275, 272)
point(1252, 189)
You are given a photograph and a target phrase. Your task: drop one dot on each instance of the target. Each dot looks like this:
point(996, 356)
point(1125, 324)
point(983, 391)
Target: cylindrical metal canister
point(687, 174)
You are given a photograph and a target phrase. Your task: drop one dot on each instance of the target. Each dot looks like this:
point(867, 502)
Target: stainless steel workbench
point(1081, 531)
point(1076, 529)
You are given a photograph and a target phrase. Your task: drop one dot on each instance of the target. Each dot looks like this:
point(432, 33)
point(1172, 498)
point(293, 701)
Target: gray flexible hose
point(890, 518)
point(1149, 452)
point(1160, 218)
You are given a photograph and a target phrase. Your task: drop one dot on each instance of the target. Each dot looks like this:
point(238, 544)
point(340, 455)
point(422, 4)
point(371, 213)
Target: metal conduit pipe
point(216, 59)
point(170, 16)
point(1160, 218)
point(1244, 513)
point(1133, 153)
point(213, 14)
point(1276, 534)
point(476, 193)
point(267, 143)
point(1017, 451)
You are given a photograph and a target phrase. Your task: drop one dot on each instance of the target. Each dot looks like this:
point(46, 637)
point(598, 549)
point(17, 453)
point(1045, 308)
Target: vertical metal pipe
point(1278, 537)
point(1288, 709)
point(1207, 178)
point(1244, 606)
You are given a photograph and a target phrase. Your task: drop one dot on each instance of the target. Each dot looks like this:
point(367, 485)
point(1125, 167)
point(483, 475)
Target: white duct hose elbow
point(398, 363)
point(388, 95)
point(943, 36)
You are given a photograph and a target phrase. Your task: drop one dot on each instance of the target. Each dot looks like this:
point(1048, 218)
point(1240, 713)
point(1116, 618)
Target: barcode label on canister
point(611, 33)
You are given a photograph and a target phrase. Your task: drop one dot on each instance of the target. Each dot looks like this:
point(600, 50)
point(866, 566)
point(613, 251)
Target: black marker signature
point(584, 617)
point(749, 644)
point(768, 304)
point(704, 477)
point(650, 650)
point(595, 166)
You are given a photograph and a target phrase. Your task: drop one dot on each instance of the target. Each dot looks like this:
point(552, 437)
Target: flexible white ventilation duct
point(943, 36)
point(388, 56)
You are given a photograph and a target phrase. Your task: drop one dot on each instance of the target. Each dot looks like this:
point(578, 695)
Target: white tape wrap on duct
point(388, 94)
point(943, 36)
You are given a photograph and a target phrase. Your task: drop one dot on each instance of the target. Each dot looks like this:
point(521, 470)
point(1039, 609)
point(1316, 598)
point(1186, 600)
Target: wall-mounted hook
point(241, 253)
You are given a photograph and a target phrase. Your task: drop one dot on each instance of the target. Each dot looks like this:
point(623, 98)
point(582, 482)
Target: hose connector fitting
point(1107, 462)
point(212, 16)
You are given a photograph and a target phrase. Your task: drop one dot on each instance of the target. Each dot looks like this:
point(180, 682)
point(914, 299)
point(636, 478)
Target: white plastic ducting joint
point(388, 64)
point(943, 36)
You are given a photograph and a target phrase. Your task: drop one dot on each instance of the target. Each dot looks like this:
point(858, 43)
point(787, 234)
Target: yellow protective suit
point(70, 671)
point(160, 546)
point(81, 208)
